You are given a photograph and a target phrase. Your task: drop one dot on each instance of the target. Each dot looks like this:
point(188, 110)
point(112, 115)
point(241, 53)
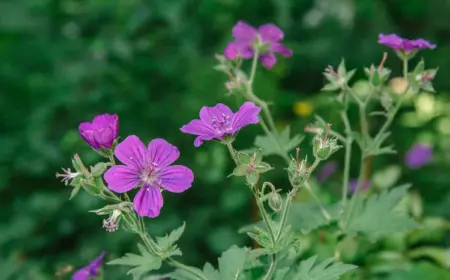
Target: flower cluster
point(150, 169)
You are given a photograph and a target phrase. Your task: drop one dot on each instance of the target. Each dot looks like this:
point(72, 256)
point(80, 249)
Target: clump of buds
point(251, 166)
point(298, 170)
point(324, 147)
point(378, 75)
point(337, 79)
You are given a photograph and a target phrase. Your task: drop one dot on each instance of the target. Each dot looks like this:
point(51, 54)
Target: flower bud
point(251, 166)
point(324, 147)
point(112, 223)
point(101, 133)
point(298, 171)
point(275, 201)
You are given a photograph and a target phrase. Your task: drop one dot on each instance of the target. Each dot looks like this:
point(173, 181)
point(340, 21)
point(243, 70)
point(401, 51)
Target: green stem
point(289, 199)
point(348, 153)
point(405, 68)
point(111, 159)
point(314, 196)
point(232, 152)
point(272, 130)
point(272, 266)
point(255, 194)
point(254, 66)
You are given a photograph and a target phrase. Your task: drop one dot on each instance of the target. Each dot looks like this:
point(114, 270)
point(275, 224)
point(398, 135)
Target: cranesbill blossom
point(218, 121)
point(326, 171)
point(401, 44)
point(102, 132)
point(418, 156)
point(247, 37)
point(149, 167)
point(91, 270)
point(354, 184)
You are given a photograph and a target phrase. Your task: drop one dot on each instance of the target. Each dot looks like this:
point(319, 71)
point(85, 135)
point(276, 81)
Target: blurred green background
point(150, 61)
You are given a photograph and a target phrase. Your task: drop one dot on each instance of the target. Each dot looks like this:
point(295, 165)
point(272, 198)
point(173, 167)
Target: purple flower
point(89, 271)
point(418, 156)
point(326, 171)
point(102, 132)
point(401, 44)
point(149, 167)
point(218, 121)
point(354, 184)
point(247, 36)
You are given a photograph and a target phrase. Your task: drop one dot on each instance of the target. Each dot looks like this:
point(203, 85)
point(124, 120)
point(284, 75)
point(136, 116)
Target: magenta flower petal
point(161, 153)
point(148, 201)
point(247, 114)
point(207, 114)
point(392, 40)
point(121, 178)
point(132, 152)
point(281, 49)
point(245, 32)
point(89, 271)
point(418, 156)
point(402, 44)
point(268, 60)
point(102, 132)
point(149, 167)
point(244, 49)
point(218, 121)
point(270, 33)
point(231, 51)
point(422, 44)
point(177, 178)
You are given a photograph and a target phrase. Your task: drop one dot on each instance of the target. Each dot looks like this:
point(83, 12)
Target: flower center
point(221, 124)
point(150, 174)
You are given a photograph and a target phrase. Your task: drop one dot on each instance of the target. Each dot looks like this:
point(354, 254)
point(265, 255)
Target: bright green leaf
point(326, 270)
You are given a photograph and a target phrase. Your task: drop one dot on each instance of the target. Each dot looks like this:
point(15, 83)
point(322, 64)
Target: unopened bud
point(324, 147)
point(275, 201)
point(298, 170)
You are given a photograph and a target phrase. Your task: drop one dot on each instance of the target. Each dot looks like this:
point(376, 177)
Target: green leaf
point(378, 216)
point(167, 243)
point(240, 170)
point(306, 217)
point(98, 169)
point(421, 271)
point(387, 177)
point(75, 191)
point(142, 263)
point(309, 270)
point(270, 147)
point(231, 265)
point(232, 262)
point(374, 146)
point(191, 274)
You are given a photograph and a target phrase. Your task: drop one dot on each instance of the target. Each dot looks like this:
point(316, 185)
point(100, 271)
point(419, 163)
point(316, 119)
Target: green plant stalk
point(364, 128)
point(255, 194)
point(348, 153)
point(265, 108)
point(263, 213)
point(289, 199)
point(314, 196)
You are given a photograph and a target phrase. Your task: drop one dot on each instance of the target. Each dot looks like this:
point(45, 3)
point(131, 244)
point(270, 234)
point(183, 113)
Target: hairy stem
point(348, 153)
point(314, 196)
point(289, 199)
point(272, 266)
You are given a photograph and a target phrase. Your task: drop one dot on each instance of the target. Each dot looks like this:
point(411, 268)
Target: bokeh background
point(151, 62)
